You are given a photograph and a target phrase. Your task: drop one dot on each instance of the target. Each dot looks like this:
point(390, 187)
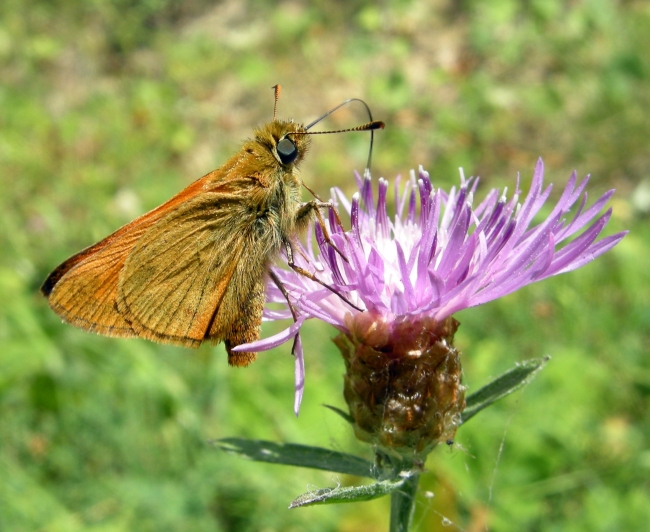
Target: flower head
point(435, 260)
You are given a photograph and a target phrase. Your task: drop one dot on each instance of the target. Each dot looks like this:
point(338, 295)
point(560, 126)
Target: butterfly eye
point(287, 151)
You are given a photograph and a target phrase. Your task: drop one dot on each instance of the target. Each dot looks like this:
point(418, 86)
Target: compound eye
point(287, 151)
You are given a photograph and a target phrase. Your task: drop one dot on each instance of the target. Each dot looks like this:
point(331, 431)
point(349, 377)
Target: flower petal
point(272, 341)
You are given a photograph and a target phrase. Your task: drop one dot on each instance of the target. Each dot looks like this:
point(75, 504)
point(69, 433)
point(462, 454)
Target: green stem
point(402, 504)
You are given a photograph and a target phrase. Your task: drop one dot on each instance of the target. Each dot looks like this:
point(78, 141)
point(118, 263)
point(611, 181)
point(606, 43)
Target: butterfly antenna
point(370, 126)
point(277, 89)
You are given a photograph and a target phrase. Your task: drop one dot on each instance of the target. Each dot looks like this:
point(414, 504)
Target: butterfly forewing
point(176, 276)
point(83, 289)
point(161, 276)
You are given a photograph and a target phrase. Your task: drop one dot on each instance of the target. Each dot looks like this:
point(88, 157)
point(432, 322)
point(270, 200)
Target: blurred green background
point(107, 108)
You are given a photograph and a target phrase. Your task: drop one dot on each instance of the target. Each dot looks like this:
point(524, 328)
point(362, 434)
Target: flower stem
point(402, 504)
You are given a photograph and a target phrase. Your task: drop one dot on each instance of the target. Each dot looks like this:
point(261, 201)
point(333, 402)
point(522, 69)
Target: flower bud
point(403, 381)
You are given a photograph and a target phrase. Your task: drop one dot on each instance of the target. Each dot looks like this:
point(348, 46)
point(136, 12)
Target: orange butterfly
point(194, 268)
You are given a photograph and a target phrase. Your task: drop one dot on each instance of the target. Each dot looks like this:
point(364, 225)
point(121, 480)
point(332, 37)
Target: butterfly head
point(286, 141)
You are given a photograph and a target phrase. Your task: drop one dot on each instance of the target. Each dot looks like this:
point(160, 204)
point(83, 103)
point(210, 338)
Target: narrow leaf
point(511, 380)
point(297, 455)
point(349, 494)
point(341, 413)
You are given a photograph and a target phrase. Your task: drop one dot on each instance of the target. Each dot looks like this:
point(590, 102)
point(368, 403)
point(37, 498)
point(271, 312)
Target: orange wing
point(177, 274)
point(85, 289)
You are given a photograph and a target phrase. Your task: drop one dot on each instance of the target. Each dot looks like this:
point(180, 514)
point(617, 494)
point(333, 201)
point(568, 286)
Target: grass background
point(107, 108)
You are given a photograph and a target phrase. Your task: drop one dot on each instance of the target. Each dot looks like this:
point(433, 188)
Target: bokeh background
point(108, 107)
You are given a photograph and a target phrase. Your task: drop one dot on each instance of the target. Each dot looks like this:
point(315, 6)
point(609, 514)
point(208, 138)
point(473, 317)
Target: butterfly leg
point(327, 204)
point(289, 251)
point(276, 280)
point(304, 216)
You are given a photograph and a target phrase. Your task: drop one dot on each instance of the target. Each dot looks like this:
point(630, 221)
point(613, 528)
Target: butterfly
point(194, 269)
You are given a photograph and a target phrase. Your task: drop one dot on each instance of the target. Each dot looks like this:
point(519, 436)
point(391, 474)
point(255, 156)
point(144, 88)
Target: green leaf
point(511, 380)
point(347, 417)
point(349, 494)
point(297, 455)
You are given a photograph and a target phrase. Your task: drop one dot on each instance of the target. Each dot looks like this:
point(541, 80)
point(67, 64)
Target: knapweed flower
point(399, 281)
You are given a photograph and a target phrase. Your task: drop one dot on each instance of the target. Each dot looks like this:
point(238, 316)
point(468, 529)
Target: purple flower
point(436, 260)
